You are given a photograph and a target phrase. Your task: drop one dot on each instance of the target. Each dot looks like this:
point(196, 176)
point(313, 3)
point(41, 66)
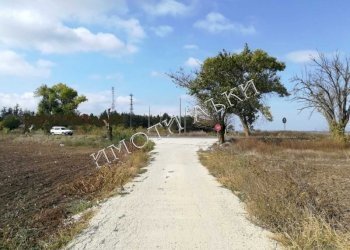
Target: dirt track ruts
point(176, 204)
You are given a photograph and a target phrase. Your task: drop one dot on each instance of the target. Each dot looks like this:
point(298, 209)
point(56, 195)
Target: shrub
point(11, 122)
point(120, 133)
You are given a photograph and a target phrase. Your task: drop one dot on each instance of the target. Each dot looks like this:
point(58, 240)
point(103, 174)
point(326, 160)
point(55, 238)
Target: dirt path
point(176, 204)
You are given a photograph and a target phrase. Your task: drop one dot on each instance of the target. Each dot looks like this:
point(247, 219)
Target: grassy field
point(46, 180)
point(297, 188)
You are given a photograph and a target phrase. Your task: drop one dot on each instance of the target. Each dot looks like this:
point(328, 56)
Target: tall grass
point(288, 187)
point(107, 179)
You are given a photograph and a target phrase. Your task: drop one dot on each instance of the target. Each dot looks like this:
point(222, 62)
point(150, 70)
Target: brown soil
point(31, 175)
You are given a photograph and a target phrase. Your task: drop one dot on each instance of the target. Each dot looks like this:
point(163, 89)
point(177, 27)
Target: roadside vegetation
point(49, 183)
point(297, 188)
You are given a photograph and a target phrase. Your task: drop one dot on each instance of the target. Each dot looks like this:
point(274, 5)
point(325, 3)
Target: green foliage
point(59, 99)
point(120, 133)
point(46, 127)
point(90, 124)
point(149, 146)
point(78, 206)
point(227, 71)
point(11, 122)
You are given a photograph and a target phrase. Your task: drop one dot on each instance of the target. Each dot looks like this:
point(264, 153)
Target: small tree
point(59, 99)
point(325, 88)
point(11, 122)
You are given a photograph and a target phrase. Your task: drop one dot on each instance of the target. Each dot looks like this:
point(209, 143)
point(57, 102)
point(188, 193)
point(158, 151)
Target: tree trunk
point(109, 133)
point(221, 134)
point(245, 126)
point(337, 131)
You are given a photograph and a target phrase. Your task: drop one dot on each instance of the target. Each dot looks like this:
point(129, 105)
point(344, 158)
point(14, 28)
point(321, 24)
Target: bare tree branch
point(325, 89)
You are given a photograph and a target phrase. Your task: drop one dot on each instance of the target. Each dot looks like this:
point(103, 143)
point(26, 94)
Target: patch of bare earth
point(42, 185)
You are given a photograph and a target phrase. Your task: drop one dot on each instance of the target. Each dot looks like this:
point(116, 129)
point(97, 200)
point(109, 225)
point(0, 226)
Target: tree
point(229, 73)
point(59, 99)
point(326, 89)
point(11, 122)
point(16, 111)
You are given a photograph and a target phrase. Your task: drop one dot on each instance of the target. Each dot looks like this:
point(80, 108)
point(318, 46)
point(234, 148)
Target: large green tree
point(58, 99)
point(229, 73)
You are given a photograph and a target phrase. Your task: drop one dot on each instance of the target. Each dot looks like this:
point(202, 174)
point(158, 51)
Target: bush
point(11, 122)
point(120, 133)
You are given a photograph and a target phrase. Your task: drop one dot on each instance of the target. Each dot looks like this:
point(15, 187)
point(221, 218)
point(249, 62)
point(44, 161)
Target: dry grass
point(107, 179)
point(64, 236)
point(298, 189)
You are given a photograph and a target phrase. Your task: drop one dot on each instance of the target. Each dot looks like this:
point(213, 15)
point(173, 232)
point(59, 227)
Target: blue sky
point(93, 45)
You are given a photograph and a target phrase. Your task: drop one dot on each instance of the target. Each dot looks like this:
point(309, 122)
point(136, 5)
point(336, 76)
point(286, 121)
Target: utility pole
point(131, 109)
point(113, 100)
point(180, 116)
point(149, 116)
point(185, 119)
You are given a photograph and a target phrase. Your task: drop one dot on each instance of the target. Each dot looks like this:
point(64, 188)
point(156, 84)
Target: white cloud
point(26, 101)
point(96, 103)
point(157, 74)
point(215, 22)
point(165, 7)
point(89, 12)
point(301, 56)
point(190, 46)
point(43, 26)
point(13, 64)
point(131, 26)
point(193, 62)
point(162, 30)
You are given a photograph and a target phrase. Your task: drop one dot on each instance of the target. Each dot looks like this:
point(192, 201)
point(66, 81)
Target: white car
point(57, 130)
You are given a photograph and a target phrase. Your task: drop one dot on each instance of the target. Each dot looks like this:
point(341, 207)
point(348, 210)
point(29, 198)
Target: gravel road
point(176, 204)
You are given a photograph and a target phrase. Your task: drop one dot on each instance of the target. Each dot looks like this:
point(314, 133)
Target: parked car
point(58, 130)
